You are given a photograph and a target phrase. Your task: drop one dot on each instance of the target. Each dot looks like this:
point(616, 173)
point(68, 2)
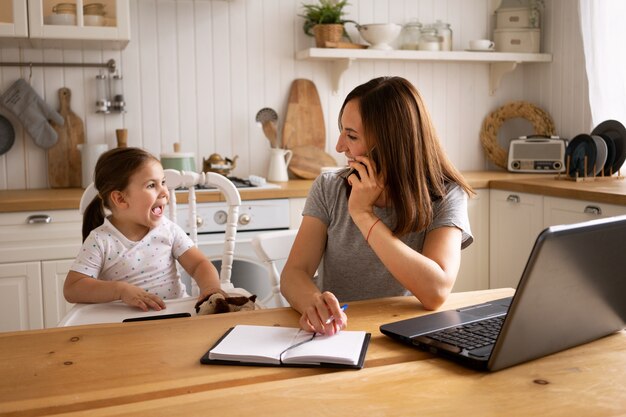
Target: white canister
point(89, 156)
point(279, 161)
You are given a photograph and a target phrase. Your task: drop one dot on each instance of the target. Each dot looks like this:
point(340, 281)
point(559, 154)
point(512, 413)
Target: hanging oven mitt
point(26, 105)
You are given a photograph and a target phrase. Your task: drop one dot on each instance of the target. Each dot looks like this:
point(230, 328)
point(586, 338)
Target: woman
point(394, 224)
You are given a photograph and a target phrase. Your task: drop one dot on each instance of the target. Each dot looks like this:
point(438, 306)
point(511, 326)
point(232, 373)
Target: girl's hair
point(408, 155)
point(113, 171)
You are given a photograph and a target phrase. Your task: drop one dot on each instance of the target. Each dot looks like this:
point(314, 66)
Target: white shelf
point(500, 62)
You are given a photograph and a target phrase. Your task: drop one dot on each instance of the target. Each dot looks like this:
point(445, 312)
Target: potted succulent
point(324, 21)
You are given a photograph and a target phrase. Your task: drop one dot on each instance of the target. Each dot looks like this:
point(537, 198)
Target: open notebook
point(288, 346)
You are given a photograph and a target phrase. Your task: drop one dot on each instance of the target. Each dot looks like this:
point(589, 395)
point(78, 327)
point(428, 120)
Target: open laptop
point(572, 291)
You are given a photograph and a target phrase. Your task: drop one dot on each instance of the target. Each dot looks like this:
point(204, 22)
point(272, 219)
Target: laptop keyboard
point(471, 336)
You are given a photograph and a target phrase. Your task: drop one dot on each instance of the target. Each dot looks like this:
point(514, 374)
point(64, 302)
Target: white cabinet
point(474, 272)
point(516, 220)
point(54, 305)
point(567, 211)
point(35, 20)
point(13, 19)
point(36, 251)
point(20, 296)
point(296, 205)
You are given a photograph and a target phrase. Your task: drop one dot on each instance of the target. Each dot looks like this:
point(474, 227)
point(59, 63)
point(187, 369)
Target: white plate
point(480, 50)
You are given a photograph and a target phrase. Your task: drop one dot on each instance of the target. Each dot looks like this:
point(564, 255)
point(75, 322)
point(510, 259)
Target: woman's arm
point(202, 270)
point(81, 288)
point(429, 275)
point(297, 285)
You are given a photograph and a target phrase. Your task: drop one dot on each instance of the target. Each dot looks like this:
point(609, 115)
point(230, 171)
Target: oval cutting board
point(64, 161)
point(307, 161)
point(304, 121)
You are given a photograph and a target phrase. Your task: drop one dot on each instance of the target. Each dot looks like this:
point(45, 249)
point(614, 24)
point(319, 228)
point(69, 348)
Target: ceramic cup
point(481, 45)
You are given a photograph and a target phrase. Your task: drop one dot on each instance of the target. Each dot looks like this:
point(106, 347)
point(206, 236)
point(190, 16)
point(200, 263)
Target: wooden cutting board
point(64, 160)
point(304, 121)
point(308, 160)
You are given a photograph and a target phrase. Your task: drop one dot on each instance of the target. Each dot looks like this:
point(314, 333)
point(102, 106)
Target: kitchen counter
point(612, 191)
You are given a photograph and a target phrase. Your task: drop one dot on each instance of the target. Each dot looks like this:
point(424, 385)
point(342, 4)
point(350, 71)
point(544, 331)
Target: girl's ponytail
point(93, 216)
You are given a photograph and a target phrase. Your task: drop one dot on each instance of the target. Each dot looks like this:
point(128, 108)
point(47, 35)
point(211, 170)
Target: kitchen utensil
point(90, 154)
point(7, 135)
point(308, 160)
point(180, 161)
point(304, 122)
point(216, 163)
point(580, 156)
point(616, 131)
point(610, 154)
point(601, 153)
point(64, 159)
point(380, 35)
point(269, 121)
point(279, 161)
point(122, 137)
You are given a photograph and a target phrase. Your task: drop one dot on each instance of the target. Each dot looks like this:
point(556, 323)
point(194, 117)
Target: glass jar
point(411, 33)
point(429, 40)
point(445, 33)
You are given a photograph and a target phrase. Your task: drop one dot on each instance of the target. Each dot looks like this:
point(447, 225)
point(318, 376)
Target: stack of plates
point(602, 152)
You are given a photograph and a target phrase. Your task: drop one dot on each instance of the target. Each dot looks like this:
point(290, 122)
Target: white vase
point(279, 160)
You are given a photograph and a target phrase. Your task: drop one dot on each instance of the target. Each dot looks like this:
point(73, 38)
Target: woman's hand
point(137, 297)
point(367, 189)
point(324, 315)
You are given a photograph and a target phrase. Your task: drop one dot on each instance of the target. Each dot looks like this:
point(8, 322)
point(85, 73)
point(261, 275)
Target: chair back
point(272, 247)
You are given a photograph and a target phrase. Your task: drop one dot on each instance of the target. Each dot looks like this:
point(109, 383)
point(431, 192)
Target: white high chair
point(272, 247)
point(117, 311)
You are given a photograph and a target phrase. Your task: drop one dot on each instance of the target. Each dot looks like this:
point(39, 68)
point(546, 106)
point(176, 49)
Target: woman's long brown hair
point(410, 159)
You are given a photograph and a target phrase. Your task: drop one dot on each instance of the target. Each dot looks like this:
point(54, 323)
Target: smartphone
point(372, 155)
point(157, 317)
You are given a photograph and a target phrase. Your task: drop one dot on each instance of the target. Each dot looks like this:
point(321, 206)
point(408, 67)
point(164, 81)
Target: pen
point(331, 318)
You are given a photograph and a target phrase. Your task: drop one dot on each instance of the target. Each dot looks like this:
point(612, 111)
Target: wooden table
point(152, 368)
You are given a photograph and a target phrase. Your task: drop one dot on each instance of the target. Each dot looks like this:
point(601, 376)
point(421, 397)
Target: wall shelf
point(500, 63)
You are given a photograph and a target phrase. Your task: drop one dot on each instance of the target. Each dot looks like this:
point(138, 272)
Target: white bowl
point(93, 20)
point(63, 19)
point(380, 35)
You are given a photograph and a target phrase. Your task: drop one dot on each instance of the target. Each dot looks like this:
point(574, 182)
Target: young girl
point(130, 255)
point(393, 225)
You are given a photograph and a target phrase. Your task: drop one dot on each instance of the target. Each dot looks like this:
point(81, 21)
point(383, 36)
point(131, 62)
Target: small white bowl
point(380, 35)
point(93, 20)
point(64, 19)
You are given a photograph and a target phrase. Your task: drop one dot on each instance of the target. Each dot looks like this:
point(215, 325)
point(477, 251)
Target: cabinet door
point(54, 305)
point(20, 297)
point(567, 211)
point(516, 221)
point(113, 27)
point(296, 205)
point(13, 19)
point(474, 272)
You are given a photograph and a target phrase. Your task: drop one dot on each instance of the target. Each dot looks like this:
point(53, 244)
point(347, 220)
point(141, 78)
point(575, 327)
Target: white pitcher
point(89, 156)
point(279, 160)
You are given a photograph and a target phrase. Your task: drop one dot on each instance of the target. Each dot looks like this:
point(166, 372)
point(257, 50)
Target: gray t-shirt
point(349, 268)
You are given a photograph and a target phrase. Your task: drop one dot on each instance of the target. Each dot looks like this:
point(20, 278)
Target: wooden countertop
point(152, 368)
point(611, 191)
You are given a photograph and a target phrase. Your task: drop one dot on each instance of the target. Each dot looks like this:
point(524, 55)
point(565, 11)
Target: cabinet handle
point(593, 210)
point(512, 198)
point(39, 218)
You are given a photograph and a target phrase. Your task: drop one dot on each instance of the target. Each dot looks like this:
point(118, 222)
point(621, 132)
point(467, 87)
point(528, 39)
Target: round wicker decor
point(541, 121)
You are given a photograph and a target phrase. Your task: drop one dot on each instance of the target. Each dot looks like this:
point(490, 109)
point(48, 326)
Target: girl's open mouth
point(157, 211)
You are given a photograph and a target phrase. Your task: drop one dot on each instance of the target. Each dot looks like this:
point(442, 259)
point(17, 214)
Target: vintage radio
point(537, 154)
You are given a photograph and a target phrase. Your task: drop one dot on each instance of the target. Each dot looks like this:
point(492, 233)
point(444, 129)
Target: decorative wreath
point(541, 121)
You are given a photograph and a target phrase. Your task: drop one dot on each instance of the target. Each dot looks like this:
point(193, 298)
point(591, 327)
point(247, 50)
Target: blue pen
point(331, 318)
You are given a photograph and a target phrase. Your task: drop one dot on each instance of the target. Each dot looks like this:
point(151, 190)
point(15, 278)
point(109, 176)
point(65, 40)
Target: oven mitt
point(26, 105)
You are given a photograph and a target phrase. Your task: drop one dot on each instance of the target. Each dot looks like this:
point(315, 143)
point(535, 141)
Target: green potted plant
point(324, 20)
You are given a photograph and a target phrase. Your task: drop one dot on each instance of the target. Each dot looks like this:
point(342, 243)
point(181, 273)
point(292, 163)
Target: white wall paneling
point(197, 72)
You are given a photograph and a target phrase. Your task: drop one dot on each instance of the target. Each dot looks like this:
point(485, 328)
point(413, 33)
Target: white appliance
point(255, 216)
